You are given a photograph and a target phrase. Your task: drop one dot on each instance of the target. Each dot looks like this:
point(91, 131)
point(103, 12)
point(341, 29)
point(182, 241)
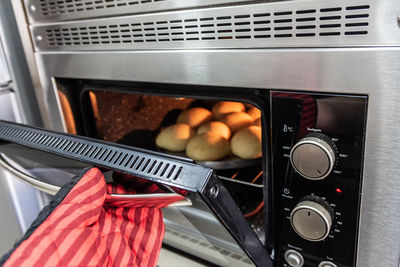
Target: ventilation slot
point(357, 20)
point(82, 149)
point(116, 158)
point(178, 173)
point(25, 134)
point(164, 170)
point(63, 7)
point(132, 33)
point(76, 148)
point(158, 168)
point(63, 146)
point(171, 171)
point(106, 155)
point(122, 159)
point(134, 162)
point(71, 146)
point(137, 167)
point(145, 165)
point(152, 166)
point(128, 161)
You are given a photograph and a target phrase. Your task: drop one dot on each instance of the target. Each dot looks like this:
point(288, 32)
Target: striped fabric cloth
point(76, 229)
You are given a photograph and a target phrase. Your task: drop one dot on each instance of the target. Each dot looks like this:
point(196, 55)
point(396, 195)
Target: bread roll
point(222, 108)
point(215, 126)
point(255, 113)
point(207, 147)
point(237, 120)
point(257, 122)
point(175, 137)
point(246, 143)
point(195, 116)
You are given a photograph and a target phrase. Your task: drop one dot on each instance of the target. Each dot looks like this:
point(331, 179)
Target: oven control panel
point(317, 148)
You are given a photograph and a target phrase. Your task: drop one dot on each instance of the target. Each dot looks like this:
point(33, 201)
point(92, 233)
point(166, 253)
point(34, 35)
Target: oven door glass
point(47, 160)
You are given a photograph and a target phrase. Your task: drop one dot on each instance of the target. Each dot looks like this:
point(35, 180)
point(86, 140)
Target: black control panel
point(318, 146)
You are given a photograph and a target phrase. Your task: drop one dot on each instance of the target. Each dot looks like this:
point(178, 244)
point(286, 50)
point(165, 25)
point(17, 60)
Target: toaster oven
point(322, 74)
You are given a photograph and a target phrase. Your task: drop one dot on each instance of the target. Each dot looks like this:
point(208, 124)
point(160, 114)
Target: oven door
point(47, 160)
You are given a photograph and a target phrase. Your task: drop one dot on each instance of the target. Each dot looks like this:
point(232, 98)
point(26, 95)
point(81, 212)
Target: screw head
point(214, 190)
point(32, 8)
point(39, 38)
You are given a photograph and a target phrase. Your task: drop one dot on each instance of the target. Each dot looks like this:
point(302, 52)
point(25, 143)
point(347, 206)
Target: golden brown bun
point(175, 137)
point(194, 116)
point(255, 113)
point(246, 143)
point(207, 147)
point(222, 108)
point(237, 120)
point(215, 126)
point(257, 122)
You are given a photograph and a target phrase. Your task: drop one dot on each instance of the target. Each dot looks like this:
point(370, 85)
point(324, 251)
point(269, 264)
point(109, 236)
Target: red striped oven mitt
point(77, 229)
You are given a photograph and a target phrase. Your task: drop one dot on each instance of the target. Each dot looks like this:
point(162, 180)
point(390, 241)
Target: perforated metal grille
point(60, 7)
point(108, 155)
point(263, 24)
point(61, 10)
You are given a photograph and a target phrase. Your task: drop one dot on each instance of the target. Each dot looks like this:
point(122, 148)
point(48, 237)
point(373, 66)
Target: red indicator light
point(338, 190)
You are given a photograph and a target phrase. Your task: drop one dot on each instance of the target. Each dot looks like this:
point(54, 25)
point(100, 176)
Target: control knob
point(312, 218)
point(313, 156)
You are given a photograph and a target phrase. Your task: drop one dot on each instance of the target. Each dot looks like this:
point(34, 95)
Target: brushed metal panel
point(305, 23)
point(50, 10)
point(369, 71)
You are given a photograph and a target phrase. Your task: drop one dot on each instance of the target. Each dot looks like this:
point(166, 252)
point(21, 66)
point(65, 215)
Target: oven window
point(220, 128)
point(223, 135)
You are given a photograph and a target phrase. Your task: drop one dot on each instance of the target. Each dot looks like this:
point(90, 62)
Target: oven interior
point(134, 114)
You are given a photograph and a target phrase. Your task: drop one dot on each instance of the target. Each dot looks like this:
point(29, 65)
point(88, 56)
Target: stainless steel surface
point(312, 158)
point(44, 187)
point(114, 198)
point(367, 71)
point(326, 264)
point(304, 23)
point(15, 59)
point(49, 10)
point(293, 258)
point(17, 103)
point(199, 233)
point(5, 77)
point(311, 220)
point(26, 48)
point(7, 99)
point(136, 200)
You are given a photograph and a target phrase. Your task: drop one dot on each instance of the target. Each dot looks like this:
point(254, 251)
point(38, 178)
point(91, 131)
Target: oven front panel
point(302, 124)
point(360, 71)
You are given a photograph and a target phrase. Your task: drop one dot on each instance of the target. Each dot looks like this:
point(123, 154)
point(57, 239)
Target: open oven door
point(28, 152)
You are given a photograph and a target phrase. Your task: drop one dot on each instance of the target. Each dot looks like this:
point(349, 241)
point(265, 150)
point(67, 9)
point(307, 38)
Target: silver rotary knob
point(312, 218)
point(313, 156)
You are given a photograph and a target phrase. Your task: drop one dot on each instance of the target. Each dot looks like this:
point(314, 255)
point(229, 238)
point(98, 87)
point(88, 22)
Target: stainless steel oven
point(324, 76)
